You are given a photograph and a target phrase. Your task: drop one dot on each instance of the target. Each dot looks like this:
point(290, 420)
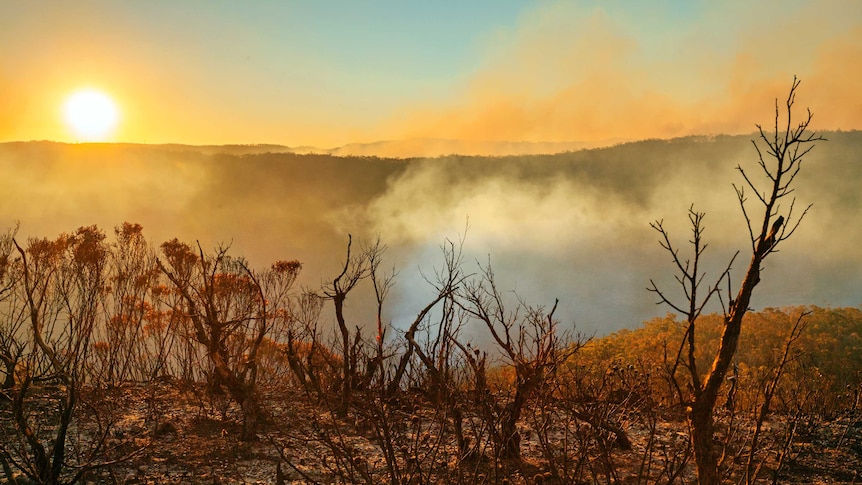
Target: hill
point(572, 225)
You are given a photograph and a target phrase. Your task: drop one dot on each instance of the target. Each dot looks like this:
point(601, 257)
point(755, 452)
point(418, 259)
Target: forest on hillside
point(573, 226)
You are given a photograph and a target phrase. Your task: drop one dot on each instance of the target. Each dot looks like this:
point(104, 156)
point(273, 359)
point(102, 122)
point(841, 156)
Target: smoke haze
point(573, 226)
point(575, 71)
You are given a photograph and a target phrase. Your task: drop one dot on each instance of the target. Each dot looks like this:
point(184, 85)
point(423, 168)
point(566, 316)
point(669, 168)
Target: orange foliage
point(828, 354)
point(179, 254)
point(290, 267)
point(88, 246)
point(501, 378)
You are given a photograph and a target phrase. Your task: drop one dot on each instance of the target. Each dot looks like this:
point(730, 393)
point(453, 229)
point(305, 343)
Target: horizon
point(362, 149)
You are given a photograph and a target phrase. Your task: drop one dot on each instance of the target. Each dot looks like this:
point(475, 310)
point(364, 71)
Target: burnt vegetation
point(123, 362)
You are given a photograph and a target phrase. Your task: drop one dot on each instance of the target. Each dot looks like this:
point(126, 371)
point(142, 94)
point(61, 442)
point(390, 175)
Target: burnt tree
point(227, 311)
point(780, 156)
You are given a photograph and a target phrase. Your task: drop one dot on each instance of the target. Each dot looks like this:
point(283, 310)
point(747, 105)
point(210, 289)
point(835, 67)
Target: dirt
point(173, 434)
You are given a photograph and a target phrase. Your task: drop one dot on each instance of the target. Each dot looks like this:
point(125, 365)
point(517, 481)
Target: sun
point(91, 114)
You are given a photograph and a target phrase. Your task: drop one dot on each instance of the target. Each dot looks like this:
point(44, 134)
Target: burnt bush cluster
point(84, 315)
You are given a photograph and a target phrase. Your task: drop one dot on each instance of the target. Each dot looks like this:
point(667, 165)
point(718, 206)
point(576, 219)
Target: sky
point(329, 73)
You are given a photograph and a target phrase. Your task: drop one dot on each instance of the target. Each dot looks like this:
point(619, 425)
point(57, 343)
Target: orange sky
point(327, 75)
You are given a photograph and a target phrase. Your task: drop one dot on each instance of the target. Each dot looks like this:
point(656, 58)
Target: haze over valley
point(573, 226)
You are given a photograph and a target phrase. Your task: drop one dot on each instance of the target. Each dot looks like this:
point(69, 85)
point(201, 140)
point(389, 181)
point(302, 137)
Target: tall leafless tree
point(357, 267)
point(780, 156)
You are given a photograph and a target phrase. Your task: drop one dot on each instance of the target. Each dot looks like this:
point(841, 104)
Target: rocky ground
point(170, 434)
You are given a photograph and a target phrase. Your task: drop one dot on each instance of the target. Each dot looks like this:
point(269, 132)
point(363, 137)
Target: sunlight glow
point(92, 115)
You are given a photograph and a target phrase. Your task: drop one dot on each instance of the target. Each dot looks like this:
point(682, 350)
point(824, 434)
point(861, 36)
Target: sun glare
point(91, 115)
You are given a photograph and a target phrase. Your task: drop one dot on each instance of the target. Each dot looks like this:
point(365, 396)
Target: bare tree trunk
point(702, 436)
point(346, 374)
point(787, 148)
point(355, 269)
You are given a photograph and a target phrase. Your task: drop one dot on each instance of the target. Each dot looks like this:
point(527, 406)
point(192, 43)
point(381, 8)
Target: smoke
point(52, 188)
point(574, 72)
point(575, 227)
point(572, 226)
